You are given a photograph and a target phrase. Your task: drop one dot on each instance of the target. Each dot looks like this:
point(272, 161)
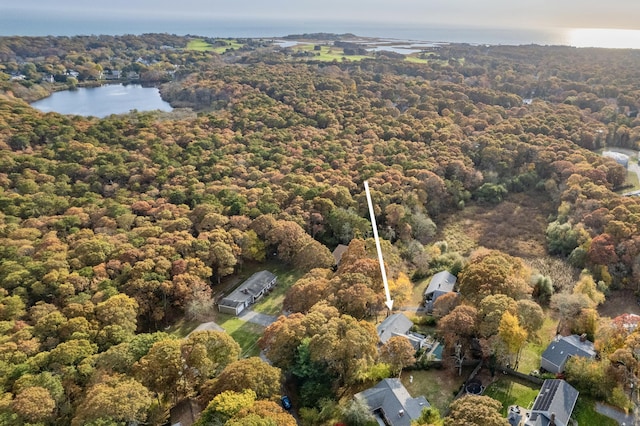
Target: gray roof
point(248, 289)
point(394, 325)
point(441, 283)
point(556, 397)
point(560, 350)
point(338, 252)
point(390, 396)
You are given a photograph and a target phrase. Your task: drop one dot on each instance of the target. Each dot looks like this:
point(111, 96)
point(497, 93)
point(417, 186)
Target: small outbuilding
point(248, 293)
point(441, 283)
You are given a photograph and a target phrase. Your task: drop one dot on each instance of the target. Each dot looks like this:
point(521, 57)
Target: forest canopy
point(113, 229)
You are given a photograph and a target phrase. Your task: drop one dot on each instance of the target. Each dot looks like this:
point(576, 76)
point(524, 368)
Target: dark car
point(286, 402)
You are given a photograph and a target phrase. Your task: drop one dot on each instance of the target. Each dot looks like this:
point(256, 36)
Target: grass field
point(328, 53)
point(510, 391)
point(199, 45)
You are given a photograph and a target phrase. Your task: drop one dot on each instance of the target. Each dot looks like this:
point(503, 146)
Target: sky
point(622, 14)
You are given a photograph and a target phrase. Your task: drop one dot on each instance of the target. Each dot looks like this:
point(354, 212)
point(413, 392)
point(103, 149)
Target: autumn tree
point(494, 272)
point(461, 323)
point(34, 404)
point(249, 373)
point(118, 399)
point(398, 352)
point(474, 410)
point(346, 346)
point(512, 334)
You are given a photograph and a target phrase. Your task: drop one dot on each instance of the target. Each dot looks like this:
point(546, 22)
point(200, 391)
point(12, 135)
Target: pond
point(103, 100)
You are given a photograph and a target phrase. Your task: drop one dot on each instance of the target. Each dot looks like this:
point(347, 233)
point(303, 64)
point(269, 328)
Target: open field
point(328, 53)
point(199, 45)
point(516, 226)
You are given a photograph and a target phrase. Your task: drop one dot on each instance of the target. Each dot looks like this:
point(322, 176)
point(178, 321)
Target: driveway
point(257, 318)
point(618, 415)
point(207, 326)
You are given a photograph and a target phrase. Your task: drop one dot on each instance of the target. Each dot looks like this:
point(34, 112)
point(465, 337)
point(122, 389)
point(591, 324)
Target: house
point(619, 158)
point(441, 283)
point(338, 252)
point(627, 322)
point(553, 405)
point(247, 293)
point(391, 404)
point(561, 349)
point(399, 325)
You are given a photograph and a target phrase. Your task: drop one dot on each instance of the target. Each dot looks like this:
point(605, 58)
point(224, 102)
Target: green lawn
point(199, 45)
point(438, 386)
point(328, 53)
point(202, 46)
point(245, 333)
point(287, 276)
point(511, 391)
point(586, 415)
point(416, 60)
point(532, 352)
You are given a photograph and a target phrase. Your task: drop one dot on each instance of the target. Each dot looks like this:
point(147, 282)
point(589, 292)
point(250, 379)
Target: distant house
point(553, 405)
point(247, 293)
point(399, 325)
point(441, 283)
point(628, 322)
point(338, 252)
point(561, 349)
point(391, 404)
point(619, 158)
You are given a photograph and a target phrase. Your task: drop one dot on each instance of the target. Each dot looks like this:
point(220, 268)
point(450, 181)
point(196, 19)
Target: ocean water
point(38, 24)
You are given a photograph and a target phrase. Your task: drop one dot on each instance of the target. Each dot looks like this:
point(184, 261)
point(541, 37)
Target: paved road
point(257, 318)
point(618, 415)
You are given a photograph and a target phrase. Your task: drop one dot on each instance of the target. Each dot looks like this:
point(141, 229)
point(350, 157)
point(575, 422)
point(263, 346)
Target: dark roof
point(248, 289)
point(442, 282)
point(556, 397)
point(559, 350)
point(391, 397)
point(393, 325)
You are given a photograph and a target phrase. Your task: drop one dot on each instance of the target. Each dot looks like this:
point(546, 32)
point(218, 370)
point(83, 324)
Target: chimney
point(583, 337)
point(552, 421)
point(400, 413)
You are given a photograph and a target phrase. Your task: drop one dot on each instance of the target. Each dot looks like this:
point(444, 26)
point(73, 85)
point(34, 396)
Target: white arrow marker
point(389, 302)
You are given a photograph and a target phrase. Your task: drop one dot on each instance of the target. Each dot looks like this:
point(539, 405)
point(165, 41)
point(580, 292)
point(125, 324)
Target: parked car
point(286, 402)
